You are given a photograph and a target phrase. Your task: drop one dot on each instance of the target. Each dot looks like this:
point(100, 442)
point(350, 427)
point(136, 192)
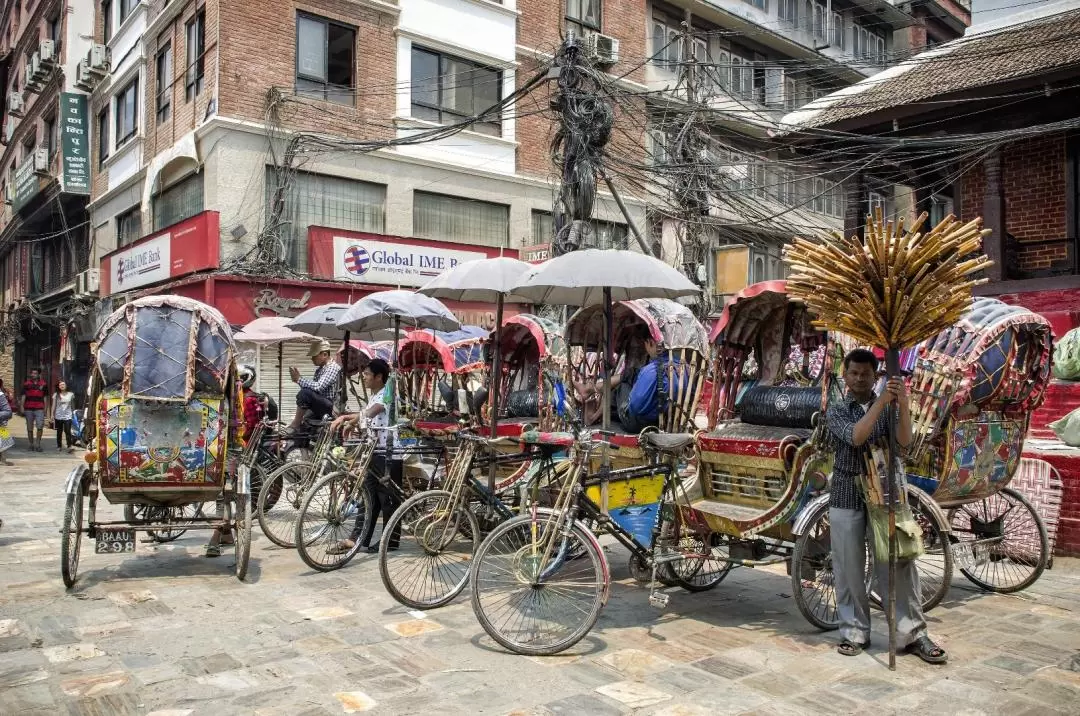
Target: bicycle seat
point(667, 442)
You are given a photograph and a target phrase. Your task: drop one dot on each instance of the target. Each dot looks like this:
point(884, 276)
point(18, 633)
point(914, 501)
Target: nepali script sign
point(74, 143)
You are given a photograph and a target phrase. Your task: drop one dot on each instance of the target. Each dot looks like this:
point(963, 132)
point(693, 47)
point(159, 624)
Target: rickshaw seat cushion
point(781, 406)
point(667, 442)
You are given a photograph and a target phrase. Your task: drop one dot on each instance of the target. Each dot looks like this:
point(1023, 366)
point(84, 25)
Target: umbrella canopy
point(580, 278)
point(483, 280)
point(381, 311)
point(320, 321)
point(270, 330)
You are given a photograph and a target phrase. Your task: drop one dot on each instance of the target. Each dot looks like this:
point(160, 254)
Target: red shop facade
point(344, 266)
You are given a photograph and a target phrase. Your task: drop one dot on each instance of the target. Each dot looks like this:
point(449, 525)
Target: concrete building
point(45, 180)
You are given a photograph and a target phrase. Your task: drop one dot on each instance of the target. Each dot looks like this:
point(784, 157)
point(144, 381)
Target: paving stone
point(722, 666)
point(208, 664)
point(95, 684)
point(633, 694)
point(1008, 663)
point(71, 652)
point(355, 701)
point(583, 704)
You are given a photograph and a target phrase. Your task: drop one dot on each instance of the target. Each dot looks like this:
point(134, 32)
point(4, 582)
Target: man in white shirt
point(384, 497)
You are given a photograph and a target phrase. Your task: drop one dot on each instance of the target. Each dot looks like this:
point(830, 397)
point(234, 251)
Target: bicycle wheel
point(70, 547)
point(242, 533)
point(328, 516)
point(812, 580)
point(1007, 526)
point(430, 565)
point(279, 502)
point(703, 565)
point(536, 613)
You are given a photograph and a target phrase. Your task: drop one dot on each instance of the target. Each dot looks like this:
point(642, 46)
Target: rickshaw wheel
point(430, 566)
point(279, 502)
point(69, 547)
point(703, 568)
point(812, 580)
point(1022, 549)
point(242, 533)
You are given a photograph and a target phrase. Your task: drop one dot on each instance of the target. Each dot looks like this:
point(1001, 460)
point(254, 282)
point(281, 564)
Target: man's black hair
point(380, 367)
point(861, 355)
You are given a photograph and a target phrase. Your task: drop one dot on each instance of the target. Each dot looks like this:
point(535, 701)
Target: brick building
point(1016, 71)
point(44, 180)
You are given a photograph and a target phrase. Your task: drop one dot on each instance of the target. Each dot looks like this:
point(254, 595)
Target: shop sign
point(391, 264)
point(538, 252)
point(142, 264)
point(484, 319)
point(26, 183)
point(268, 303)
point(74, 143)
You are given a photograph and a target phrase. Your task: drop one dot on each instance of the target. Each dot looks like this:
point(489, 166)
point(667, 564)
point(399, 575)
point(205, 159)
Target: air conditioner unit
point(29, 82)
point(8, 193)
point(40, 72)
point(88, 281)
point(84, 78)
point(98, 59)
point(15, 104)
point(9, 131)
point(602, 49)
point(41, 161)
point(47, 52)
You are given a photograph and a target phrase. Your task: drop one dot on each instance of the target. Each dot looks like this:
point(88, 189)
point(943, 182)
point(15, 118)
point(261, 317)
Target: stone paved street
point(168, 631)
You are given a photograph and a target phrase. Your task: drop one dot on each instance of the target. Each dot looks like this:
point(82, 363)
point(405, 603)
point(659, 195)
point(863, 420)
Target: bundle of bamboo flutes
point(895, 289)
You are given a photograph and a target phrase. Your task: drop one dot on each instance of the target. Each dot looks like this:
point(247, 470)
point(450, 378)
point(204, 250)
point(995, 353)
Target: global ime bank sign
point(387, 260)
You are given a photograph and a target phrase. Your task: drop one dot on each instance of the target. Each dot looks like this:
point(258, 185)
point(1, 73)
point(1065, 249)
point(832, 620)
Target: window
point(103, 136)
point(759, 180)
point(180, 201)
point(467, 221)
point(54, 29)
point(774, 87)
point(791, 93)
point(742, 77)
point(759, 4)
point(164, 72)
point(583, 16)
point(196, 61)
point(126, 6)
point(826, 197)
point(838, 31)
point(666, 44)
point(940, 207)
point(868, 45)
point(448, 89)
point(875, 203)
point(128, 226)
point(821, 22)
point(317, 200)
point(325, 60)
point(879, 55)
point(106, 21)
point(603, 234)
point(785, 188)
point(789, 11)
point(50, 135)
point(127, 112)
point(658, 151)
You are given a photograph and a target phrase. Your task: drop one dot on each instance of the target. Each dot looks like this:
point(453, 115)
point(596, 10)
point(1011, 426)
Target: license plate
point(115, 541)
point(969, 556)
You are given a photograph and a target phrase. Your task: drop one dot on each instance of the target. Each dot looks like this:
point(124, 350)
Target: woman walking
point(63, 410)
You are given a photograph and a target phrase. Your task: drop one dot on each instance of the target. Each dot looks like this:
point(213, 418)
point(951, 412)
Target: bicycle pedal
point(659, 600)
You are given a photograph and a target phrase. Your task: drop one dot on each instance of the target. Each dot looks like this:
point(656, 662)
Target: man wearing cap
point(316, 396)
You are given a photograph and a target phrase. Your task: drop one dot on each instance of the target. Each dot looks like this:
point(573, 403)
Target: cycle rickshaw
point(166, 408)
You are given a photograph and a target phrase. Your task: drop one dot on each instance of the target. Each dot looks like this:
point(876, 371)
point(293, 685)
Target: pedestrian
point(384, 497)
point(33, 408)
point(62, 409)
point(854, 424)
point(6, 412)
point(316, 396)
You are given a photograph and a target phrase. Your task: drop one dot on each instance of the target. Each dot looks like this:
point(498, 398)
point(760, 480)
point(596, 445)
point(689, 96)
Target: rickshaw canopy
point(165, 348)
point(527, 329)
point(669, 323)
point(458, 351)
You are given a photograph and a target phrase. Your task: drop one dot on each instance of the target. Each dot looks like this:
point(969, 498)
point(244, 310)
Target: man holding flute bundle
point(854, 424)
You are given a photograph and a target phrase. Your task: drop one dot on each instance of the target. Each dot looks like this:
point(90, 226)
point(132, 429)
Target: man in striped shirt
point(33, 408)
point(316, 396)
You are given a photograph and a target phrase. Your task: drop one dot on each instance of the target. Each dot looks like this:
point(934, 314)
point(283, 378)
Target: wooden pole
point(892, 370)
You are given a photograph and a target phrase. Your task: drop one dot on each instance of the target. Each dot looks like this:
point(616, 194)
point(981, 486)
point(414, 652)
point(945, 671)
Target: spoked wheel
point(1004, 539)
point(241, 509)
point(73, 527)
point(812, 580)
point(430, 565)
point(279, 502)
point(135, 513)
point(330, 511)
point(703, 565)
point(531, 597)
point(935, 565)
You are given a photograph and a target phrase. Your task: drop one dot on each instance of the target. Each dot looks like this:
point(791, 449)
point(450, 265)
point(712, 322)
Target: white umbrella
point(384, 310)
point(601, 276)
point(271, 330)
point(320, 321)
point(593, 276)
point(488, 281)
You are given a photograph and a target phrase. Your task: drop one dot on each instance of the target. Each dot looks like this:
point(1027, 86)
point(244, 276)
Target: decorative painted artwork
point(981, 456)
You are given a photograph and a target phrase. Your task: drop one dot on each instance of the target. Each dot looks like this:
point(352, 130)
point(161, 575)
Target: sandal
point(927, 650)
point(849, 648)
point(212, 550)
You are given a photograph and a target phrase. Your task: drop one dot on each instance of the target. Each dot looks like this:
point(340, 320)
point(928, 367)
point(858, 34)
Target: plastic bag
point(1068, 428)
point(1067, 357)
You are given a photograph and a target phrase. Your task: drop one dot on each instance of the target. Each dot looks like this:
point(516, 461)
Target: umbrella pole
point(892, 369)
point(280, 368)
point(496, 380)
point(393, 400)
point(609, 331)
point(345, 375)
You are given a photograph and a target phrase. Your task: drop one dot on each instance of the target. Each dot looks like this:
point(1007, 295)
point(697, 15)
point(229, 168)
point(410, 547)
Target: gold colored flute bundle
point(894, 289)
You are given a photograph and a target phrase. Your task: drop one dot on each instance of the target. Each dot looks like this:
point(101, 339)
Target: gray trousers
point(849, 543)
